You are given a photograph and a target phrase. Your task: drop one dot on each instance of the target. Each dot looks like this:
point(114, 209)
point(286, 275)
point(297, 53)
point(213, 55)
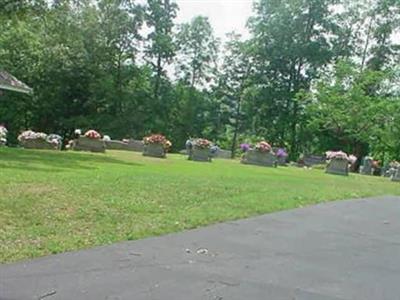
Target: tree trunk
point(158, 78)
point(236, 131)
point(364, 56)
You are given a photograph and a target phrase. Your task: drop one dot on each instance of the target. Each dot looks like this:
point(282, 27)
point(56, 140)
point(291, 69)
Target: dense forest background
point(315, 75)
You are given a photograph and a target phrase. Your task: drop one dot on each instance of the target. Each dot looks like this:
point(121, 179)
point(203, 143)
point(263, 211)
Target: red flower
point(92, 134)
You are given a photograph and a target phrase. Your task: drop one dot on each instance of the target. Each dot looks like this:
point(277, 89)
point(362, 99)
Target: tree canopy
point(314, 75)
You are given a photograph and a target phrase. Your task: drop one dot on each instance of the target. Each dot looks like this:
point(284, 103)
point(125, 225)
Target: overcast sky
point(224, 15)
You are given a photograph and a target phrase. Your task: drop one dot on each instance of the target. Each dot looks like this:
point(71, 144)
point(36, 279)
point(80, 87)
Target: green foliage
point(109, 65)
point(197, 52)
point(351, 106)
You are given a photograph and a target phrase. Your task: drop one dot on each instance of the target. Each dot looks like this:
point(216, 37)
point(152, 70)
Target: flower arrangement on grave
point(263, 146)
point(336, 155)
point(214, 149)
point(157, 139)
point(3, 135)
point(394, 164)
point(92, 134)
point(376, 164)
point(245, 147)
point(352, 159)
point(281, 153)
point(54, 139)
point(106, 138)
point(31, 135)
point(202, 143)
point(167, 145)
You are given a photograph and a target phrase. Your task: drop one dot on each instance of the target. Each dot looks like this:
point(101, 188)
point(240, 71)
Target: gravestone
point(281, 161)
point(396, 175)
point(38, 144)
point(311, 160)
point(221, 153)
point(132, 145)
point(154, 150)
point(390, 172)
point(255, 157)
point(135, 145)
point(199, 154)
point(366, 168)
point(84, 143)
point(338, 166)
point(116, 145)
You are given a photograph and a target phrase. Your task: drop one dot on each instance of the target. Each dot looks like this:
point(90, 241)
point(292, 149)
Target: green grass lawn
point(52, 202)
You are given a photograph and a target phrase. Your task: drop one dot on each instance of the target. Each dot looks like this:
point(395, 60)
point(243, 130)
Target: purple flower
point(281, 153)
point(245, 147)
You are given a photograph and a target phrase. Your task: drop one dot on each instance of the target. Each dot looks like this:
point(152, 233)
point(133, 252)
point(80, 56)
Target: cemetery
point(261, 155)
point(144, 145)
point(199, 150)
point(127, 178)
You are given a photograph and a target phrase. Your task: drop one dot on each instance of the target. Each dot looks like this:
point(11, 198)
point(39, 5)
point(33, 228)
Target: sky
point(225, 15)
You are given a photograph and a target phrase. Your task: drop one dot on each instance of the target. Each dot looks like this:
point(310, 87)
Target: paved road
point(339, 250)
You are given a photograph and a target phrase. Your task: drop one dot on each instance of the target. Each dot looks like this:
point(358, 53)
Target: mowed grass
point(52, 202)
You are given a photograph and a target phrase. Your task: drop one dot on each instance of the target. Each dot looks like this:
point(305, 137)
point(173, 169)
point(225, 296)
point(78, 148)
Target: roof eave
point(16, 89)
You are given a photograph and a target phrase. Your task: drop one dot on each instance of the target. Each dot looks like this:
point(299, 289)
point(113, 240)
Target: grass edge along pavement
point(52, 202)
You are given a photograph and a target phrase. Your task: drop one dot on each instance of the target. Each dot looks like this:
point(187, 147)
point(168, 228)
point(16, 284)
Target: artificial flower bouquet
point(281, 156)
point(352, 159)
point(245, 147)
point(336, 155)
point(54, 139)
point(157, 139)
point(107, 138)
point(394, 164)
point(31, 135)
point(93, 134)
point(281, 153)
point(38, 140)
point(3, 135)
point(202, 143)
point(263, 146)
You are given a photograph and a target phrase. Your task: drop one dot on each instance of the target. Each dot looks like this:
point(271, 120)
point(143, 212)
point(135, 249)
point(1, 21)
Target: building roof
point(10, 83)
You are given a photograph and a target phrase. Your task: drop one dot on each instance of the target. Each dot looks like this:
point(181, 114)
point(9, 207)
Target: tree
point(344, 109)
point(234, 80)
point(197, 52)
point(160, 49)
point(386, 18)
point(291, 45)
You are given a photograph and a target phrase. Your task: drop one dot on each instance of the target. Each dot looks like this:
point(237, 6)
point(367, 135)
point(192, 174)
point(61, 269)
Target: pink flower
point(263, 146)
point(157, 139)
point(92, 134)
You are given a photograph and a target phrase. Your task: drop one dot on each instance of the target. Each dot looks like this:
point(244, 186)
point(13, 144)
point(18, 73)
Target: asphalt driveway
point(338, 250)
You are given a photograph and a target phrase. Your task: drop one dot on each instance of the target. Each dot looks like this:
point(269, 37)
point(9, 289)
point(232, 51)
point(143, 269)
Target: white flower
point(352, 158)
point(31, 135)
point(78, 132)
point(106, 138)
point(54, 139)
point(336, 154)
point(3, 132)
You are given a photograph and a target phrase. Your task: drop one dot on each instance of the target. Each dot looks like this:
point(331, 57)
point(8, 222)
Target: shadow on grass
point(14, 158)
